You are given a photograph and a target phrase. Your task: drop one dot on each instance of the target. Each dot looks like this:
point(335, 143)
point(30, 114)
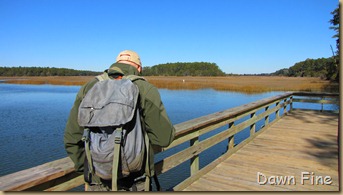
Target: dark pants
point(131, 183)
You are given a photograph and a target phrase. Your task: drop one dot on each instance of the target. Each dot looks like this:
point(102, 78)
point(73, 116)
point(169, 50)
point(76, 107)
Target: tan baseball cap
point(128, 55)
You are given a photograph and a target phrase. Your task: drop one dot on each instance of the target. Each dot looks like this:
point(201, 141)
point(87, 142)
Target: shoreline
point(244, 84)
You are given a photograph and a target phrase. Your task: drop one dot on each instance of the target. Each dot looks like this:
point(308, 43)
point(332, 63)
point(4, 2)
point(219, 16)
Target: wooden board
point(46, 175)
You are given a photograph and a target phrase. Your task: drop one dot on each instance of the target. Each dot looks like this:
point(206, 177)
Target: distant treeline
point(43, 71)
point(184, 69)
point(325, 68)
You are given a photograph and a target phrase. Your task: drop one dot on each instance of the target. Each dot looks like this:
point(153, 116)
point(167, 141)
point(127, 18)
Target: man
point(157, 123)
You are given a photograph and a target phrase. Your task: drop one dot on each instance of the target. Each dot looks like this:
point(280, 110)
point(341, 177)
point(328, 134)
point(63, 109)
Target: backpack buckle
point(117, 136)
point(85, 136)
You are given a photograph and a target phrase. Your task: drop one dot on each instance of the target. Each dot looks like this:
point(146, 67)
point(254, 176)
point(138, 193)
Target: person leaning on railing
point(157, 123)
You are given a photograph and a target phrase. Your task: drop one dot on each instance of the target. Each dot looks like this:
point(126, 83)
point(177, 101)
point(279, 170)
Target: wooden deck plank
point(302, 141)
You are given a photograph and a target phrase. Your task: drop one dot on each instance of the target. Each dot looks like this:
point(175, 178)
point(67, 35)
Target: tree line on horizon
point(184, 69)
point(44, 71)
point(169, 69)
point(322, 67)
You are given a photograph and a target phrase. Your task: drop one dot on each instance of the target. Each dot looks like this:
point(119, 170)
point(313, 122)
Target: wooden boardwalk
point(297, 153)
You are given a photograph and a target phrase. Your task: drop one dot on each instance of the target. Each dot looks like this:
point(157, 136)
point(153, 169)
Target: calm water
point(33, 117)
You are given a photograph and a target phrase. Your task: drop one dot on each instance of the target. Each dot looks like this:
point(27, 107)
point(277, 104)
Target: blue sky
point(251, 36)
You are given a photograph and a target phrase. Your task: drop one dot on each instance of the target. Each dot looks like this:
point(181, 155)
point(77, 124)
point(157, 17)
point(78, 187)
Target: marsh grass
point(51, 80)
point(244, 84)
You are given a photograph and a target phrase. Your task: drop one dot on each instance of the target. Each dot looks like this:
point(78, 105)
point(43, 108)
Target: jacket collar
point(125, 68)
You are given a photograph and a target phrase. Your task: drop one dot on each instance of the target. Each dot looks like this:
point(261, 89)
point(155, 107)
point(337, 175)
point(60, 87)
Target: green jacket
point(158, 126)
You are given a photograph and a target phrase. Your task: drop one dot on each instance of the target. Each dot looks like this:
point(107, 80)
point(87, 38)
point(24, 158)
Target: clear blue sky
point(250, 36)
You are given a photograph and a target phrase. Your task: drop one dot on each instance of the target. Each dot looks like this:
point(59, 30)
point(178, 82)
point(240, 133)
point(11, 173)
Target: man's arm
point(159, 127)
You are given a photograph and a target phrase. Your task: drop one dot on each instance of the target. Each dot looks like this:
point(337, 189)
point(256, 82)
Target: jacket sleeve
point(159, 127)
point(73, 132)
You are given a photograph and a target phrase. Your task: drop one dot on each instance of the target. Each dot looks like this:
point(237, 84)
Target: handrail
point(59, 175)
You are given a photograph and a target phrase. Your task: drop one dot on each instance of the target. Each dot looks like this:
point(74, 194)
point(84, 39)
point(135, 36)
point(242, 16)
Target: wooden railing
point(59, 175)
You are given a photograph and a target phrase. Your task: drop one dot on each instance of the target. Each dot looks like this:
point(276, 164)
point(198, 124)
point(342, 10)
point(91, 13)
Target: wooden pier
point(297, 153)
point(295, 149)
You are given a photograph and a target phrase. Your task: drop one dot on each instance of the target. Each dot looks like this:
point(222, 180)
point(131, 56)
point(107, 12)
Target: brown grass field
point(245, 84)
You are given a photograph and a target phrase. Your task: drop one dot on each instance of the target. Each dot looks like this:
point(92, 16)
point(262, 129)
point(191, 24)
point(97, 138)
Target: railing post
point(266, 119)
point(322, 105)
point(231, 143)
point(277, 113)
point(253, 126)
point(285, 106)
point(291, 104)
point(195, 159)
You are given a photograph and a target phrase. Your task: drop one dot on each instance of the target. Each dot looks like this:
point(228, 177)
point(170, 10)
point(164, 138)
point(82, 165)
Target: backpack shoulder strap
point(102, 77)
point(134, 78)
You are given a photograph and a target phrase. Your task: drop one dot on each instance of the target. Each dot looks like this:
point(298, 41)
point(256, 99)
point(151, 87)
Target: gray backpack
point(115, 142)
